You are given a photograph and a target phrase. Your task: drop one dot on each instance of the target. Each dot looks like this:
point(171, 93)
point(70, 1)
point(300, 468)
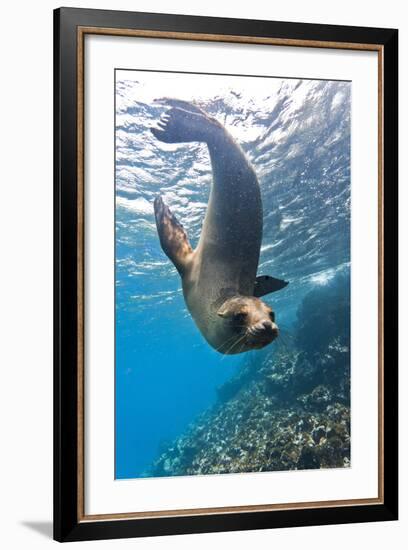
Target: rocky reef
point(287, 409)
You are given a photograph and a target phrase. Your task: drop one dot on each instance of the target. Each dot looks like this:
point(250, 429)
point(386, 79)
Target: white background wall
point(26, 272)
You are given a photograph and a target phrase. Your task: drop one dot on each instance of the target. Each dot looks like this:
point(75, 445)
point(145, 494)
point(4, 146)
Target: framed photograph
point(225, 274)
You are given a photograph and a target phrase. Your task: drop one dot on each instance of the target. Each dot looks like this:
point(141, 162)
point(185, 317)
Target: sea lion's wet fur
point(218, 277)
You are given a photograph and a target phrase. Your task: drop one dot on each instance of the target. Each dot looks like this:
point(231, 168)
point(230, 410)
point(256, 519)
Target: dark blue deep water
point(296, 133)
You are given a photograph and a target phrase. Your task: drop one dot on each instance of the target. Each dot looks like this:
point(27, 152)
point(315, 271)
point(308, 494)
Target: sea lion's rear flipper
point(266, 284)
point(186, 105)
point(183, 122)
point(173, 237)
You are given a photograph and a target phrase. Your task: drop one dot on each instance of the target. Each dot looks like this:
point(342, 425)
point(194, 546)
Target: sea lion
point(219, 278)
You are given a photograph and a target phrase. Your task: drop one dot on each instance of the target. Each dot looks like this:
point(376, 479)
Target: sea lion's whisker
point(241, 348)
point(280, 345)
point(228, 350)
point(287, 331)
point(226, 342)
point(284, 345)
point(288, 337)
point(241, 339)
point(284, 349)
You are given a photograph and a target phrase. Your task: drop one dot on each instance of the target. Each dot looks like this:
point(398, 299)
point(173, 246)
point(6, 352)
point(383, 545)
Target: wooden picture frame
point(71, 26)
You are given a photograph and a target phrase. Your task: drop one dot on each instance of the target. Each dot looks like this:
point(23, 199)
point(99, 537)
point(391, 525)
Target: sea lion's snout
point(252, 321)
point(263, 333)
point(270, 328)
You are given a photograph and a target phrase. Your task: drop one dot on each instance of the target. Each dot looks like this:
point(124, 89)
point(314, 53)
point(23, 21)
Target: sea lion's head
point(249, 322)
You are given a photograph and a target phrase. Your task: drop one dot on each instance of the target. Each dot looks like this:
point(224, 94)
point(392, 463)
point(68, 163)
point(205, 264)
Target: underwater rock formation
point(284, 410)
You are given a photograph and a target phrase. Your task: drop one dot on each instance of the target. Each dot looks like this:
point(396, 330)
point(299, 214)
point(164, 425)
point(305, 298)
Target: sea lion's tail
point(184, 122)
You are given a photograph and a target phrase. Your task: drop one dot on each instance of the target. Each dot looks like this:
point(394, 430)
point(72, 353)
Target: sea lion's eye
point(272, 316)
point(240, 317)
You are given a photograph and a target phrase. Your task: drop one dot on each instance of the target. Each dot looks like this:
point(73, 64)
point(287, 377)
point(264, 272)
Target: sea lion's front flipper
point(173, 237)
point(266, 284)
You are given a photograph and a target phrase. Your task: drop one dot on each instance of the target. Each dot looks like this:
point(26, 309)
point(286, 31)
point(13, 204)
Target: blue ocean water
point(296, 134)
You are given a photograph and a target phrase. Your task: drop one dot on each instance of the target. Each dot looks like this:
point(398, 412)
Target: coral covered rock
point(284, 410)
